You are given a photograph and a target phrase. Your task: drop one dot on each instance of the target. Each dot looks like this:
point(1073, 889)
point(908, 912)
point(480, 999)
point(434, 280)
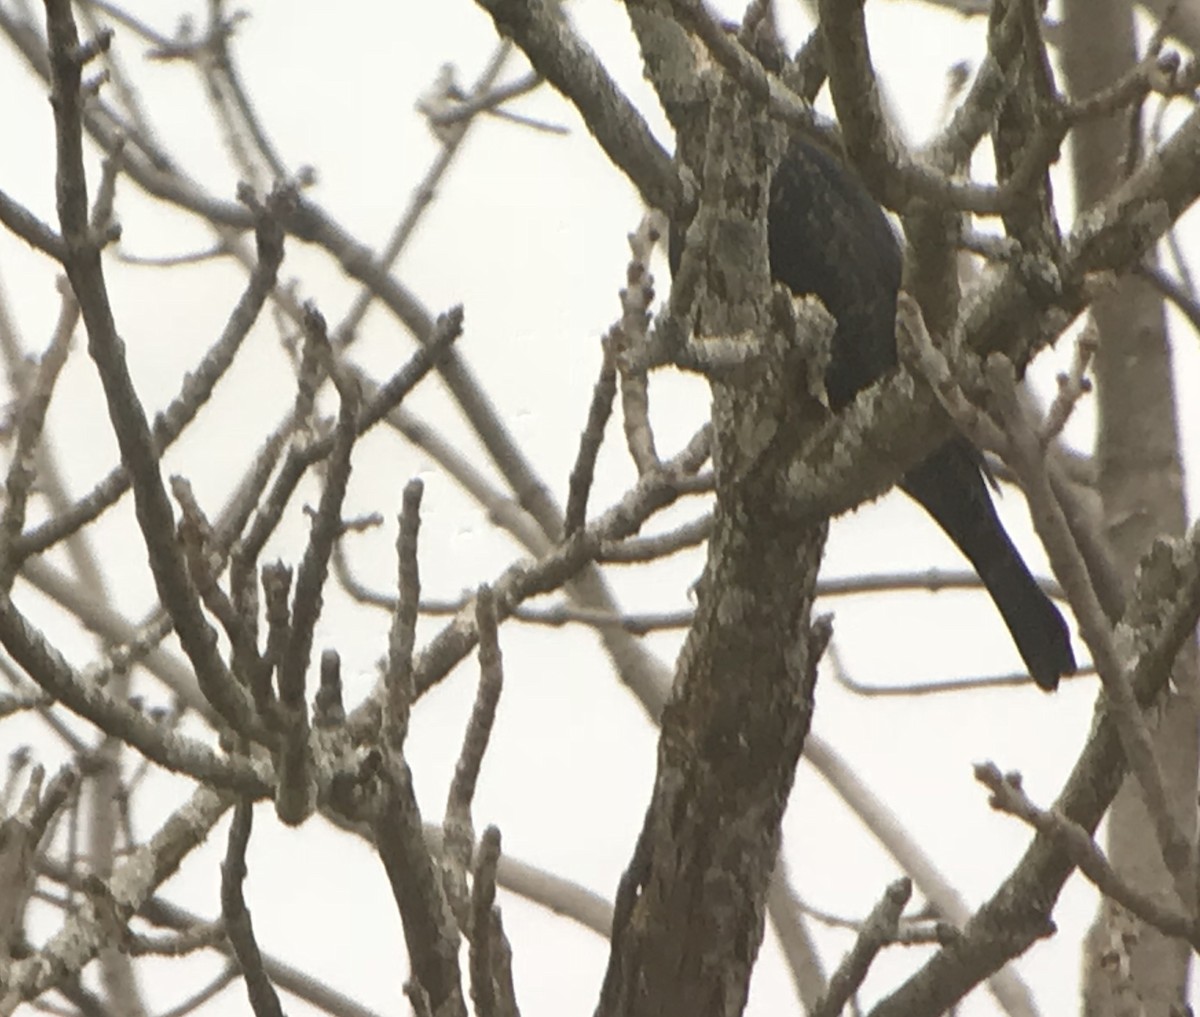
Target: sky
point(528, 231)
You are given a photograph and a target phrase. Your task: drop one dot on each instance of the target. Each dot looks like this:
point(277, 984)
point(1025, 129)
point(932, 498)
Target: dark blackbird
point(827, 236)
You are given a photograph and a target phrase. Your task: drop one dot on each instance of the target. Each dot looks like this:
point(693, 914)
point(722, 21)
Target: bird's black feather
point(827, 236)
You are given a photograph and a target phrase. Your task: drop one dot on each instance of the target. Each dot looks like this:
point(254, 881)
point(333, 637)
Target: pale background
point(529, 234)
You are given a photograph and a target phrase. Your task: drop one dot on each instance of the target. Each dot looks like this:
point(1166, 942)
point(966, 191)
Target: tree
point(257, 507)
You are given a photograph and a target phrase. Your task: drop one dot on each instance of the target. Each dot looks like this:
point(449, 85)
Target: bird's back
point(827, 236)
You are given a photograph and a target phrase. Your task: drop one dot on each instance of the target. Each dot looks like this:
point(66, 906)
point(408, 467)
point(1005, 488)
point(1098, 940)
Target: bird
point(827, 236)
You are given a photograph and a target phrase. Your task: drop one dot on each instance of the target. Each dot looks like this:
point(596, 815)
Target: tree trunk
point(1129, 966)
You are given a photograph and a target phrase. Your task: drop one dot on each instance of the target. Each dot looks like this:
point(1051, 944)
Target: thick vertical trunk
point(1128, 963)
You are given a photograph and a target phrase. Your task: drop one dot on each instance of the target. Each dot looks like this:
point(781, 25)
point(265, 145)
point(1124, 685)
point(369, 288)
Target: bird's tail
point(951, 488)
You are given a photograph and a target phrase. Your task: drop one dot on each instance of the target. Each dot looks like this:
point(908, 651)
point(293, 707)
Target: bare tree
point(231, 691)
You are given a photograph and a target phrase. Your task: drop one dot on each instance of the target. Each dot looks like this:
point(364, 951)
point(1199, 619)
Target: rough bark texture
point(1130, 967)
point(689, 913)
point(732, 735)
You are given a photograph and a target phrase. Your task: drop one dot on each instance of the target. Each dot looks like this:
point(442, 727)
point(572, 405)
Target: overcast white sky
point(529, 234)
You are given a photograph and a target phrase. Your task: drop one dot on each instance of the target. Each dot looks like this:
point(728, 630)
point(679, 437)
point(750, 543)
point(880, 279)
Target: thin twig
point(134, 437)
point(878, 930)
point(1073, 385)
point(653, 492)
point(296, 804)
point(398, 675)
point(490, 956)
point(35, 401)
point(1174, 290)
point(236, 917)
point(582, 473)
point(422, 197)
point(89, 928)
point(429, 929)
point(1007, 795)
point(629, 337)
point(179, 753)
point(569, 64)
point(460, 832)
point(194, 393)
point(1025, 455)
point(20, 221)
